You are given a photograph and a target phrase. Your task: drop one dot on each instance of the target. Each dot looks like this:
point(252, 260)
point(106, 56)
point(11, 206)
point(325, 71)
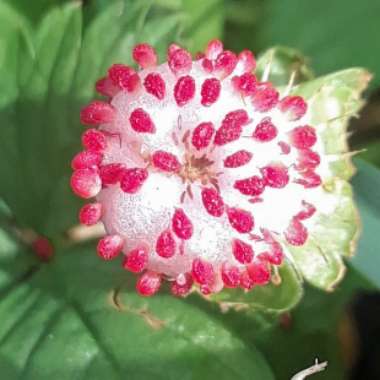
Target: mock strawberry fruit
point(202, 172)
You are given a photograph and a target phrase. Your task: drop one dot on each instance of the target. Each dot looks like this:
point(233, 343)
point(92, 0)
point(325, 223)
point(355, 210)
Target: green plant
point(72, 316)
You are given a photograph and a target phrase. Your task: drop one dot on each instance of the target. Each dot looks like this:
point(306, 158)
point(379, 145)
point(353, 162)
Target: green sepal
point(284, 62)
point(338, 232)
point(331, 237)
point(322, 269)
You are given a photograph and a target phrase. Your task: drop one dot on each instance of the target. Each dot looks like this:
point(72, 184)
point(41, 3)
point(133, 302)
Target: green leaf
point(366, 189)
point(14, 37)
point(283, 62)
point(33, 13)
point(202, 20)
point(334, 35)
point(49, 73)
point(242, 22)
point(4, 210)
point(13, 270)
point(67, 320)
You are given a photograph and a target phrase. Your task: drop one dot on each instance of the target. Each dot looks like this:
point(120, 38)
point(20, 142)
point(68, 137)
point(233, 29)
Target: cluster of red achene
point(192, 165)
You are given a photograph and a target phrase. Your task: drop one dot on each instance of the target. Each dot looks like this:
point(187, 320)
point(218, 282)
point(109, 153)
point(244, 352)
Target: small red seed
point(275, 175)
point(172, 48)
point(276, 259)
point(132, 179)
point(259, 273)
point(136, 260)
point(203, 272)
point(231, 127)
point(265, 130)
point(296, 233)
point(165, 161)
point(165, 245)
point(179, 61)
point(86, 159)
point(230, 275)
point(182, 285)
point(111, 173)
point(307, 212)
point(246, 281)
point(241, 220)
point(252, 186)
point(275, 255)
point(227, 133)
point(205, 289)
point(242, 251)
point(132, 83)
point(237, 117)
point(213, 202)
point(141, 121)
point(104, 86)
point(90, 214)
point(184, 90)
point(97, 112)
point(155, 85)
point(245, 84)
point(213, 49)
point(294, 106)
point(148, 284)
point(145, 55)
point(210, 91)
point(207, 65)
point(117, 71)
point(265, 98)
point(240, 158)
point(272, 258)
point(94, 140)
point(226, 62)
point(246, 61)
point(124, 77)
point(43, 248)
point(202, 135)
point(86, 183)
point(307, 159)
point(309, 179)
point(303, 137)
point(182, 225)
point(110, 246)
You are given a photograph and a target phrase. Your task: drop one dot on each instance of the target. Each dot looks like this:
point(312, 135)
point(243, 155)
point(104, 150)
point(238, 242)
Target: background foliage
point(77, 318)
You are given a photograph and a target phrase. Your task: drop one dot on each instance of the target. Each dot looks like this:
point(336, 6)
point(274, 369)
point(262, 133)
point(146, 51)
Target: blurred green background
point(54, 324)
